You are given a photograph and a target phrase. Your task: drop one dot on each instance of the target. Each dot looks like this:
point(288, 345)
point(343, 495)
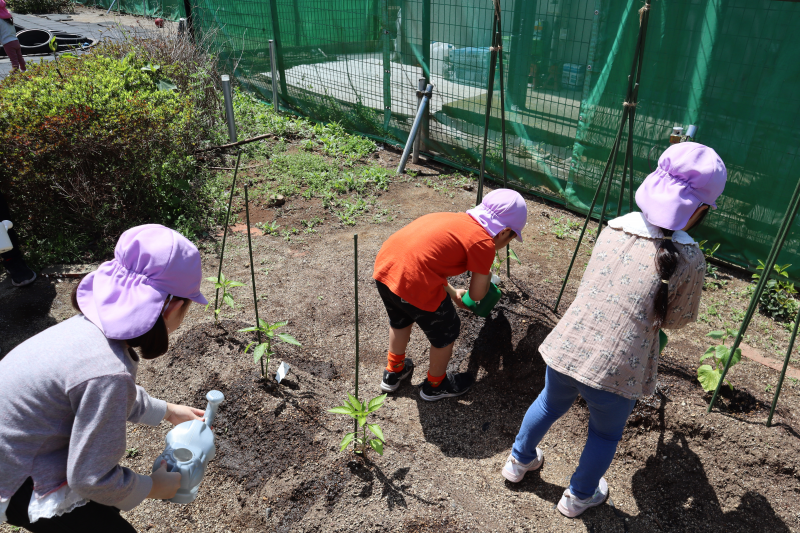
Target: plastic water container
point(190, 447)
point(485, 306)
point(572, 75)
point(5, 240)
point(440, 55)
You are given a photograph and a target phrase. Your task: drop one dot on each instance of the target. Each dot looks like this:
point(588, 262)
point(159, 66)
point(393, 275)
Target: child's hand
point(460, 294)
point(165, 484)
point(177, 414)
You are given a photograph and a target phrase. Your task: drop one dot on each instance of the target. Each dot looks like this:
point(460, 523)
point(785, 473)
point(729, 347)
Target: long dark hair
point(667, 259)
point(152, 344)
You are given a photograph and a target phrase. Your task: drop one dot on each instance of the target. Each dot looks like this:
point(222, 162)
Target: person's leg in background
point(14, 53)
point(13, 260)
point(398, 367)
point(90, 518)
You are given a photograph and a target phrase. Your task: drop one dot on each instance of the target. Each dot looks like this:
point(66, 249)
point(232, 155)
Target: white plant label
point(282, 371)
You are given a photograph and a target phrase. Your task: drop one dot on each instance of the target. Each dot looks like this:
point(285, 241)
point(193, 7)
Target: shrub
point(95, 145)
point(777, 300)
point(24, 7)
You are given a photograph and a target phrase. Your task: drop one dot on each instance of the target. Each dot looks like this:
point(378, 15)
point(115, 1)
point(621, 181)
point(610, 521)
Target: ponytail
point(667, 258)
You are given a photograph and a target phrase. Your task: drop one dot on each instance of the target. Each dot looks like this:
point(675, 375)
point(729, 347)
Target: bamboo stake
point(225, 231)
point(252, 270)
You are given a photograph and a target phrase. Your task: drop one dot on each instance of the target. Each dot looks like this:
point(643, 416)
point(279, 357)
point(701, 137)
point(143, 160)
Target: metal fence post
point(423, 133)
point(226, 91)
point(275, 101)
point(387, 66)
point(276, 34)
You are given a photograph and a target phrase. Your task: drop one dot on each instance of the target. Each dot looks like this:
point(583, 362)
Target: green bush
point(91, 146)
point(39, 6)
point(777, 301)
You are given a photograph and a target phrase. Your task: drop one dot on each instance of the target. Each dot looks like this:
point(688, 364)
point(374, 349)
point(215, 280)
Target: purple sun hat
point(125, 296)
point(688, 174)
point(501, 209)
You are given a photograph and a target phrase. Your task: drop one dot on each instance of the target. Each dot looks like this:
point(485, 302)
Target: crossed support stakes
point(496, 50)
point(629, 114)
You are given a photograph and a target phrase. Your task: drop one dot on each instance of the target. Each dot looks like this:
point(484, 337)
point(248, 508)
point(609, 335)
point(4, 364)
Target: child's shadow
point(484, 421)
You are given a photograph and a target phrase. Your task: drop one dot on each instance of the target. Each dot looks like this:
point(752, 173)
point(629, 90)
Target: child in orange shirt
point(411, 273)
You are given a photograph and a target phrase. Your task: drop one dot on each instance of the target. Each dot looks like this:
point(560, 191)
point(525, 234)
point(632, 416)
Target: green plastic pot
point(662, 340)
point(485, 306)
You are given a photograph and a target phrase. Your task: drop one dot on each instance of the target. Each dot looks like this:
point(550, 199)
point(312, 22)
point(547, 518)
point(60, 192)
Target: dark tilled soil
point(278, 465)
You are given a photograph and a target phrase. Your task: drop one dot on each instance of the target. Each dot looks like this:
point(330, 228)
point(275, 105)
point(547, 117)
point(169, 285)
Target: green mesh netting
point(728, 66)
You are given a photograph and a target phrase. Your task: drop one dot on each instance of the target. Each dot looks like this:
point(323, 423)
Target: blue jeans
point(608, 414)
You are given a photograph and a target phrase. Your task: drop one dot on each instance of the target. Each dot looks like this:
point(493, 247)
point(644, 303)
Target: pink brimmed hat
point(688, 174)
point(125, 296)
point(501, 209)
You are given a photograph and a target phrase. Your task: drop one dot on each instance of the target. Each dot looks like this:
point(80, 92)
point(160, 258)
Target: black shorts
point(441, 326)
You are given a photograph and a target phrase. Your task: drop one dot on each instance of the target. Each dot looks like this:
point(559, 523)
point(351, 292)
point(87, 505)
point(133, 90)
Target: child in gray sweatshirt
point(67, 393)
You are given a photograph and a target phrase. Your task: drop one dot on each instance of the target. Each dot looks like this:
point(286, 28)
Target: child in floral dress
point(645, 273)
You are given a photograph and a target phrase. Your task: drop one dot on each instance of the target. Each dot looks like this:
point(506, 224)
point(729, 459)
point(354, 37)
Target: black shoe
point(452, 385)
point(20, 274)
point(391, 380)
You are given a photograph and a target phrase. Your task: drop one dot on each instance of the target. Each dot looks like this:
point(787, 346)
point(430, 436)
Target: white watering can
point(190, 446)
point(5, 240)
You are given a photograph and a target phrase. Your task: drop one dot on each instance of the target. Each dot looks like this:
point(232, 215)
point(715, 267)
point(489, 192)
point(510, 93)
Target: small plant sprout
point(360, 411)
point(227, 297)
point(498, 261)
point(265, 348)
point(709, 375)
point(777, 300)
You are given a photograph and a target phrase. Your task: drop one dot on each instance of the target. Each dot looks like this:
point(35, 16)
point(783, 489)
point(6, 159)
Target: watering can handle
point(214, 398)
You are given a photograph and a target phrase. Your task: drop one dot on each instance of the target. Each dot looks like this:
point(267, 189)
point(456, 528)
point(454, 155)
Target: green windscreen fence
point(730, 67)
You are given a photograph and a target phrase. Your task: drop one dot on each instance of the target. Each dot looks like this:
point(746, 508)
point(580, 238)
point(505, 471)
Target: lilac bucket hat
point(125, 296)
point(501, 209)
point(688, 174)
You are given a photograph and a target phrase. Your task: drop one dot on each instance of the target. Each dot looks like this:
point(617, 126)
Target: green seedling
point(269, 333)
point(360, 411)
point(709, 375)
point(131, 452)
point(227, 298)
point(269, 229)
point(777, 300)
point(498, 261)
point(712, 280)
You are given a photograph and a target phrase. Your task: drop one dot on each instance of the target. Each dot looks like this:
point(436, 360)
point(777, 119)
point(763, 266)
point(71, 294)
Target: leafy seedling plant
point(709, 375)
point(227, 298)
point(498, 261)
point(360, 411)
point(712, 280)
point(777, 300)
point(269, 333)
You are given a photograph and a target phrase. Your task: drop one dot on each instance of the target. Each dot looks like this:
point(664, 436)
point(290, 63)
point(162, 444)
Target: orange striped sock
point(396, 362)
point(436, 381)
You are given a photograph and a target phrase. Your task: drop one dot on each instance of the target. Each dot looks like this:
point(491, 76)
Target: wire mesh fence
point(727, 66)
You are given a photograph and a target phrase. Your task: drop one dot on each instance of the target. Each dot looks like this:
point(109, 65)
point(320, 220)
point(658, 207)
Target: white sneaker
point(571, 506)
point(514, 471)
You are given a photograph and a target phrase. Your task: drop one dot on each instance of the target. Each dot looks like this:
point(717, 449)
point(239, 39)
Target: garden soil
point(278, 466)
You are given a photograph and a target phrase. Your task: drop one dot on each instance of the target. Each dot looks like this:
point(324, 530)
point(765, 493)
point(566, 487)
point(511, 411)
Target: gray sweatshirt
point(65, 396)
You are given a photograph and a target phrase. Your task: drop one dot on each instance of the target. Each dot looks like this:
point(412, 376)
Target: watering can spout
point(214, 398)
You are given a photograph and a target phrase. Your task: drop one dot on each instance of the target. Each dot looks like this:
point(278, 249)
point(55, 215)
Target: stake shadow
point(673, 493)
point(393, 487)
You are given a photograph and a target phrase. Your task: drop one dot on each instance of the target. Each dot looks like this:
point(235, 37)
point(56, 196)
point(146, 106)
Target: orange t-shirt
point(416, 261)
